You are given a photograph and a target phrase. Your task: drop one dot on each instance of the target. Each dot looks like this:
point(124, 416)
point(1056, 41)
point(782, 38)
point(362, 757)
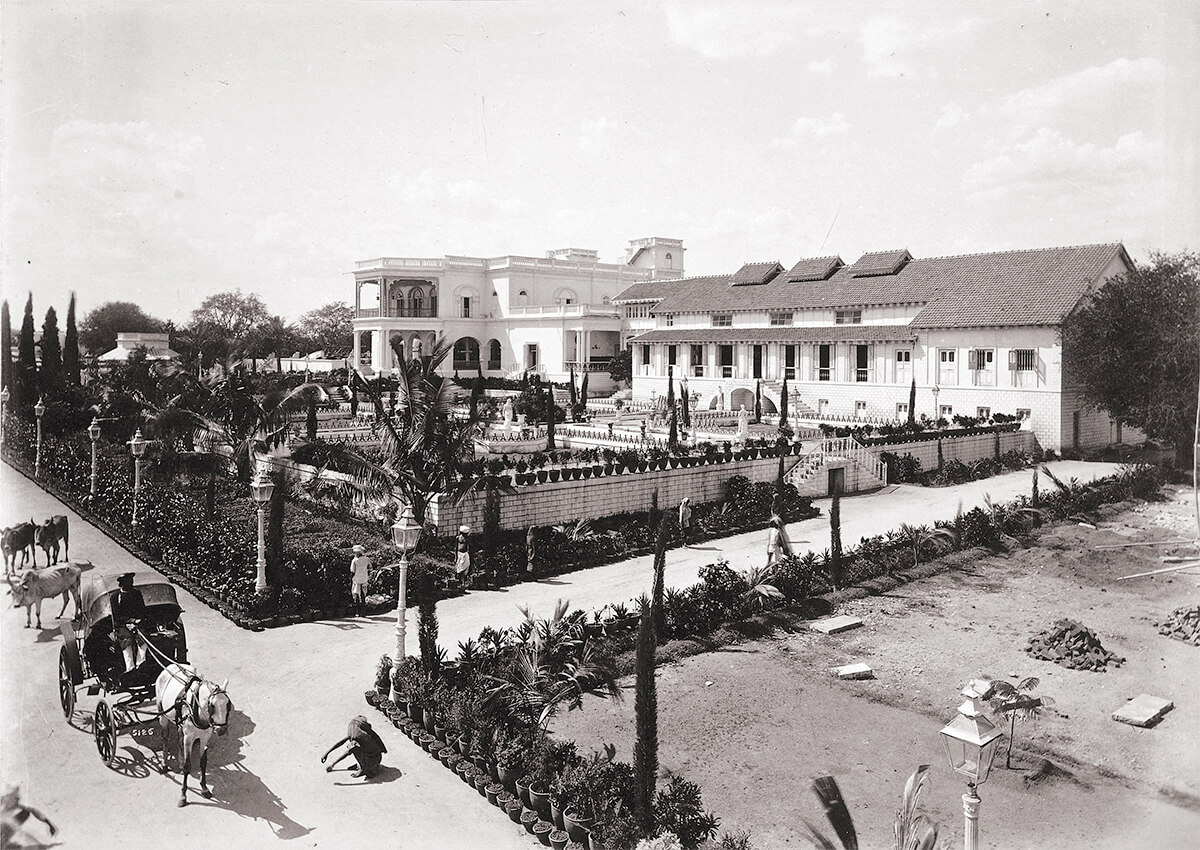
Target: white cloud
point(952, 115)
point(594, 135)
point(1102, 92)
point(718, 30)
point(811, 129)
point(823, 67)
point(893, 47)
point(1049, 163)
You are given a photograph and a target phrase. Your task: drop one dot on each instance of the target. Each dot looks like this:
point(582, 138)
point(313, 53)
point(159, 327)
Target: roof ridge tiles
point(1021, 251)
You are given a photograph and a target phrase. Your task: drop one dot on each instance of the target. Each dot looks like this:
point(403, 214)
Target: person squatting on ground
point(360, 570)
point(462, 565)
point(778, 545)
point(685, 520)
point(128, 610)
point(364, 744)
point(14, 816)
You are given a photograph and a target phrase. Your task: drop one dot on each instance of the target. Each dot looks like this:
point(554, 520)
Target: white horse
point(198, 707)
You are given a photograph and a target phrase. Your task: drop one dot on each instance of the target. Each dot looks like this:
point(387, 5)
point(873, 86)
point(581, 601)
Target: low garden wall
point(551, 503)
point(965, 449)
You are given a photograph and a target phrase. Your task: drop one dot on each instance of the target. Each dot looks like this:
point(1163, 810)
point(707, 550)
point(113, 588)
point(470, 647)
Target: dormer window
point(781, 319)
point(670, 320)
point(848, 317)
point(722, 320)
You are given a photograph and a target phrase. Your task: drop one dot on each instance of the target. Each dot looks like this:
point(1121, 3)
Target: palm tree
point(1017, 702)
point(427, 442)
point(922, 538)
point(552, 668)
point(760, 592)
point(912, 829)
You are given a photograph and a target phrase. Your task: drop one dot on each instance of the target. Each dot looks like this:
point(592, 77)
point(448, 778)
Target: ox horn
point(224, 683)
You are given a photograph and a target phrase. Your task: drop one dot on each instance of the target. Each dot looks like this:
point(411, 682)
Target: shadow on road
point(384, 774)
point(241, 791)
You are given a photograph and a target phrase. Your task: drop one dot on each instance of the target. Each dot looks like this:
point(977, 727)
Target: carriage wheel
point(104, 728)
point(66, 684)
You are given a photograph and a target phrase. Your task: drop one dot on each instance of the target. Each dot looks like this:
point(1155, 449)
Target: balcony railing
point(983, 377)
point(598, 365)
point(697, 371)
point(466, 365)
point(728, 371)
point(862, 375)
point(397, 313)
point(824, 374)
point(605, 310)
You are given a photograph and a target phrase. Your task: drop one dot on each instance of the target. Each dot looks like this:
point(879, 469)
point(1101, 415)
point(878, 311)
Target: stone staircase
point(797, 409)
point(807, 475)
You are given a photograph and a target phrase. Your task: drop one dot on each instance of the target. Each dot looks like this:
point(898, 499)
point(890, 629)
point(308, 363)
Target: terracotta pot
point(492, 790)
point(481, 783)
point(523, 790)
point(559, 839)
point(508, 776)
point(555, 474)
point(513, 810)
point(427, 715)
point(556, 815)
point(414, 710)
point(539, 801)
point(542, 830)
point(528, 819)
point(578, 828)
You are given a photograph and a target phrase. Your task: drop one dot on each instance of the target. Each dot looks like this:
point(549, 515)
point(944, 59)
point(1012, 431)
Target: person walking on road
point(360, 571)
point(462, 564)
point(778, 545)
point(685, 519)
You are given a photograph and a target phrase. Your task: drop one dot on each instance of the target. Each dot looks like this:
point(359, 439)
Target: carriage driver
point(128, 609)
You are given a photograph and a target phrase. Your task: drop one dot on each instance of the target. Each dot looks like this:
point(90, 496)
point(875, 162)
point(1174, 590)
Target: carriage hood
point(96, 594)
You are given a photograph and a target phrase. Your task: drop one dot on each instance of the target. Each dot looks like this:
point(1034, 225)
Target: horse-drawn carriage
point(91, 658)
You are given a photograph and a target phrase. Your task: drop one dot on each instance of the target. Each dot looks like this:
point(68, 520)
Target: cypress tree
point(757, 401)
point(673, 433)
point(912, 403)
point(24, 387)
point(550, 412)
point(835, 538)
point(1035, 500)
point(50, 376)
point(427, 627)
point(70, 354)
point(571, 387)
point(783, 407)
point(660, 569)
point(645, 749)
point(6, 362)
point(583, 390)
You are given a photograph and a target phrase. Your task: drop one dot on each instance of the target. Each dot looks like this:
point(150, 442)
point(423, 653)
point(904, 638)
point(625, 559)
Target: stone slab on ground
point(833, 625)
point(854, 671)
point(1144, 710)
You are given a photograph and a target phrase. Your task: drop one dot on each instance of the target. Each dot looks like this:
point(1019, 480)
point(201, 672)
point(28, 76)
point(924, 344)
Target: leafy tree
point(1131, 348)
point(231, 314)
point(620, 367)
point(330, 328)
point(25, 385)
point(50, 376)
point(645, 748)
point(6, 361)
point(99, 328)
point(70, 354)
point(273, 338)
point(673, 431)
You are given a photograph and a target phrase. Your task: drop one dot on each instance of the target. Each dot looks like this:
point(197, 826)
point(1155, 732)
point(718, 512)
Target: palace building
point(977, 333)
point(505, 315)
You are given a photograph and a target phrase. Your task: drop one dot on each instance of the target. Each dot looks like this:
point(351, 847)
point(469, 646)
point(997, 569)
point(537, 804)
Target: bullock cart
point(91, 659)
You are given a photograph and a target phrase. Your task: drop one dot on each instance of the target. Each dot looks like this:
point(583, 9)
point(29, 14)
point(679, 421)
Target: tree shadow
point(340, 625)
point(242, 792)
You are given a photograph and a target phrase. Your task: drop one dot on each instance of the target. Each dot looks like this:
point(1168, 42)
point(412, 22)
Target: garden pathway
point(295, 688)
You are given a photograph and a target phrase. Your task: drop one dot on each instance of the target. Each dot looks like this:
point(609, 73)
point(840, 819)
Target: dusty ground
point(753, 724)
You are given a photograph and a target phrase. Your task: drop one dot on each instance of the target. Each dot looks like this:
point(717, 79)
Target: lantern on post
point(138, 447)
point(4, 397)
point(93, 434)
point(260, 493)
point(406, 531)
point(39, 410)
point(971, 741)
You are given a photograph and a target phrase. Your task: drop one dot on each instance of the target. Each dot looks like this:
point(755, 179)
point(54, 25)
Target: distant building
point(505, 316)
point(157, 345)
point(979, 333)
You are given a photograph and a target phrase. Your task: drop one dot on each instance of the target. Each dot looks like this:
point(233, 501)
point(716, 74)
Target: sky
point(162, 152)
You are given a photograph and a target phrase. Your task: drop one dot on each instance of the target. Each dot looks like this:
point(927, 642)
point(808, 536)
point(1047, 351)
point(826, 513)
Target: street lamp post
point(937, 411)
point(94, 432)
point(39, 410)
point(405, 533)
point(971, 741)
point(4, 396)
point(260, 492)
point(138, 447)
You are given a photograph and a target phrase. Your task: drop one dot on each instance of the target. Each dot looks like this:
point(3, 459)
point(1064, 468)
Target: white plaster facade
point(504, 315)
point(864, 365)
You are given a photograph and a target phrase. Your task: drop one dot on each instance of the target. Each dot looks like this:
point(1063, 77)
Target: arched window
point(494, 354)
point(466, 353)
point(418, 301)
point(670, 261)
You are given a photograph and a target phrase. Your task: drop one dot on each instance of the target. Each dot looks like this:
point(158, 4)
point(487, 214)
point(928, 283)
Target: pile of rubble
point(1183, 624)
point(1072, 645)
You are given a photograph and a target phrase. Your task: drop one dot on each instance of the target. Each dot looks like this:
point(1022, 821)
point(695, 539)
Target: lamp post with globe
point(260, 492)
point(39, 410)
point(971, 741)
point(405, 533)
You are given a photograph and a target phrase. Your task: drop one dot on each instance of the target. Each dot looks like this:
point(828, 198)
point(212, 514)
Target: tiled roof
point(814, 268)
point(656, 290)
point(756, 274)
point(822, 333)
point(879, 262)
point(1030, 287)
point(1033, 287)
